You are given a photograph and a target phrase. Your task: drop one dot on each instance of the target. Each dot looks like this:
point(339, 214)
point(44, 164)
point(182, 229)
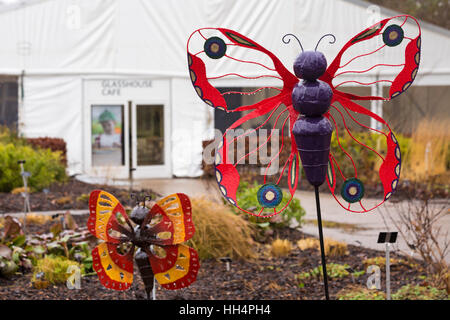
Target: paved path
point(374, 222)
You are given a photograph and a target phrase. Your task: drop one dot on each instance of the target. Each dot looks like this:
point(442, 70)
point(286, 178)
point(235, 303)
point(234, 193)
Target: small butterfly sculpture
point(391, 47)
point(157, 233)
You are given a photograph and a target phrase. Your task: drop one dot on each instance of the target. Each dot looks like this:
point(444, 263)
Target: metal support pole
point(388, 273)
point(322, 247)
point(26, 202)
point(154, 290)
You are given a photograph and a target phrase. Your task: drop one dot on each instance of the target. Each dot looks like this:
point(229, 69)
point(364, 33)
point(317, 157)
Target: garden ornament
point(157, 233)
point(312, 104)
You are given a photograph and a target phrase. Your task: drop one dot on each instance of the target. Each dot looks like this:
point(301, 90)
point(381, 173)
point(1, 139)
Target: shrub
point(280, 248)
point(54, 269)
point(44, 165)
point(247, 197)
point(308, 243)
point(7, 136)
point(54, 144)
point(418, 292)
point(219, 232)
point(333, 248)
point(36, 219)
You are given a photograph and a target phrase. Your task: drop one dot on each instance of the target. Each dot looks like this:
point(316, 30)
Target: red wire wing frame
point(390, 162)
point(395, 58)
point(226, 169)
point(231, 51)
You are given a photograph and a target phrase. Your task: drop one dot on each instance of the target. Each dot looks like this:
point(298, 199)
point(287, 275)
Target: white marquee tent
point(69, 55)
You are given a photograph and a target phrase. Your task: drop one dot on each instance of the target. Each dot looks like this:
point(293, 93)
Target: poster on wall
point(107, 135)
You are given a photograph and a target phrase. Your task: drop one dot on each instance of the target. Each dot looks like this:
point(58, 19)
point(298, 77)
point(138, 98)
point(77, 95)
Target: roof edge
point(390, 12)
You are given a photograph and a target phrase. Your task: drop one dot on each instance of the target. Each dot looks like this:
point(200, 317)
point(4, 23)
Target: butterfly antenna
point(286, 40)
point(139, 198)
point(326, 35)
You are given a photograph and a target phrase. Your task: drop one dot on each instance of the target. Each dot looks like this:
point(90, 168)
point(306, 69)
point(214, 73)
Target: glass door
point(149, 140)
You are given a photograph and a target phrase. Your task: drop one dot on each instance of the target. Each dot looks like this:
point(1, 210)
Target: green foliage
point(7, 136)
point(407, 292)
point(15, 255)
point(19, 252)
point(361, 294)
point(83, 198)
point(334, 271)
point(45, 167)
point(418, 292)
point(247, 198)
point(54, 268)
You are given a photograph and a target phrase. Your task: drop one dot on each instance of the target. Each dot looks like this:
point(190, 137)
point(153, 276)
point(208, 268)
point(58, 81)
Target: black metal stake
point(322, 247)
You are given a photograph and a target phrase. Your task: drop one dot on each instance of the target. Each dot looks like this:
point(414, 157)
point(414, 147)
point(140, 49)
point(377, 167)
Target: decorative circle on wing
point(393, 35)
point(270, 195)
point(215, 48)
point(352, 190)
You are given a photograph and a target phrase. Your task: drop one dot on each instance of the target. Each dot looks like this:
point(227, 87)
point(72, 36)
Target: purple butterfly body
point(311, 98)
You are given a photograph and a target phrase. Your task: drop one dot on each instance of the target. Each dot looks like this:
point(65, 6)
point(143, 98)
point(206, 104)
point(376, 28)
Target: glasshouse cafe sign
point(115, 87)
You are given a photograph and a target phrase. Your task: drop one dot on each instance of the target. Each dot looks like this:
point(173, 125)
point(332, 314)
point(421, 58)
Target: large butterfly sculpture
point(158, 234)
point(391, 47)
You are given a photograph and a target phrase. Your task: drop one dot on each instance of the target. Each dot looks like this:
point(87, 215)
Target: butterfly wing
point(115, 270)
point(387, 52)
point(169, 221)
point(346, 163)
point(393, 38)
point(210, 50)
point(174, 266)
point(108, 220)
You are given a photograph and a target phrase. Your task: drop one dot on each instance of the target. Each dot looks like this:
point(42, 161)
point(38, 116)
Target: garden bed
point(265, 278)
point(72, 194)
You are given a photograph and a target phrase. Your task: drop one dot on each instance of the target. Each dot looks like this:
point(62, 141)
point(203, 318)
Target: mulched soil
point(266, 278)
point(72, 194)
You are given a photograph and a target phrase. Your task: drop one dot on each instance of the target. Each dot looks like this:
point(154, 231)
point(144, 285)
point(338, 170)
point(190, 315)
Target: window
point(107, 135)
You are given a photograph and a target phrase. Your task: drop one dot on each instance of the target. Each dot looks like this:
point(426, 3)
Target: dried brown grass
point(280, 248)
point(32, 218)
point(221, 233)
point(429, 149)
point(333, 248)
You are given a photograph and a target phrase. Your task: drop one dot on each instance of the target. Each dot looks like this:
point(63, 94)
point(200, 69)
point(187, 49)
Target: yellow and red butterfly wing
point(158, 226)
point(177, 269)
point(177, 207)
point(104, 210)
point(114, 270)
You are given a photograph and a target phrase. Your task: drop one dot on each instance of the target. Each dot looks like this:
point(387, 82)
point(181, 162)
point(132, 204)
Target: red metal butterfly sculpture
point(158, 234)
point(392, 39)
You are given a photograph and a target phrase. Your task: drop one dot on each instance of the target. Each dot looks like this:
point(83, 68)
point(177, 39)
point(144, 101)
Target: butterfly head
point(310, 65)
point(140, 211)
